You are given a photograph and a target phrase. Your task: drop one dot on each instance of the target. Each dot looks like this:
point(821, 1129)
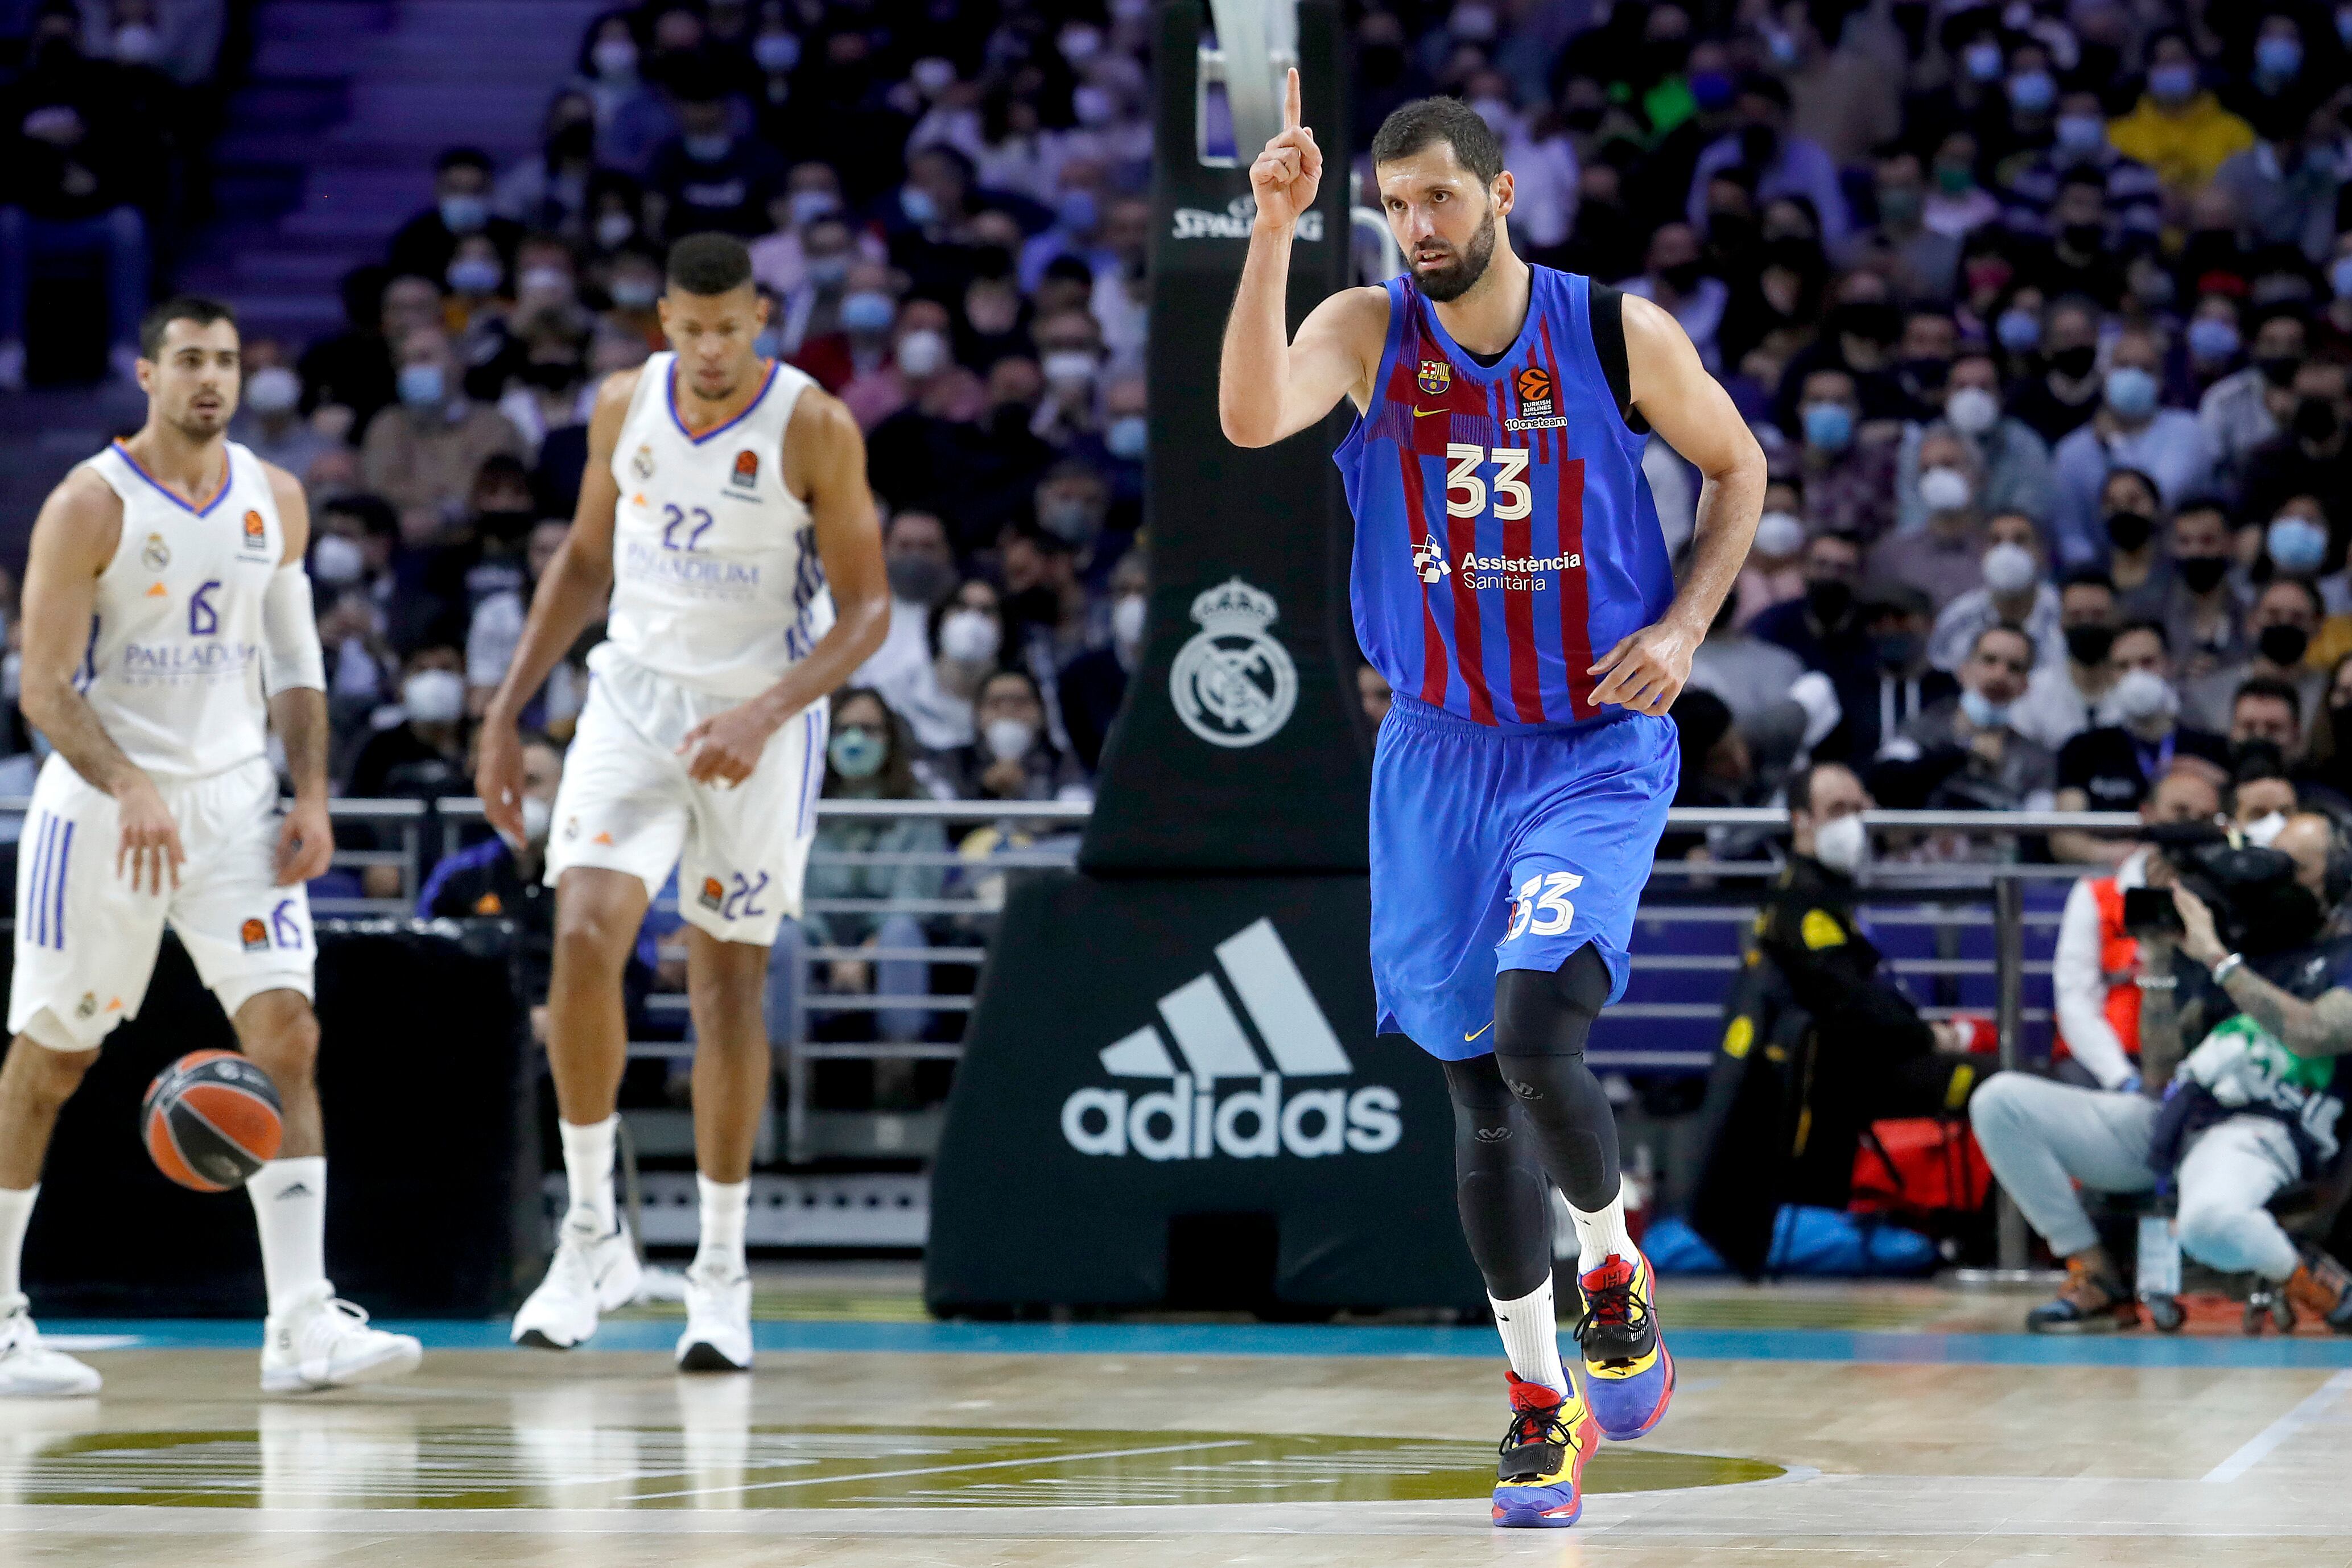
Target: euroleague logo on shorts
point(1189, 1119)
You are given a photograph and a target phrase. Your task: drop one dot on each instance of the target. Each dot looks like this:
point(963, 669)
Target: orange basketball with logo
point(1534, 383)
point(747, 466)
point(256, 532)
point(211, 1119)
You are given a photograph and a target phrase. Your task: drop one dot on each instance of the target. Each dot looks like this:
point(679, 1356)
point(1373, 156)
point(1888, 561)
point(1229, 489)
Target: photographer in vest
point(2094, 974)
point(2245, 1014)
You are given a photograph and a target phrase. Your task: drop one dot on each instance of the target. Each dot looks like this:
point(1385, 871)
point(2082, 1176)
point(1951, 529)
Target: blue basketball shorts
point(1494, 851)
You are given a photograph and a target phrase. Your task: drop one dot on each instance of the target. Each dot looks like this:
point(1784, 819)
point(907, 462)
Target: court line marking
point(947, 1469)
point(2260, 1445)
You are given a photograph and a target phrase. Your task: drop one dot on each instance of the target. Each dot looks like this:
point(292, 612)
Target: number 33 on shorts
point(1542, 907)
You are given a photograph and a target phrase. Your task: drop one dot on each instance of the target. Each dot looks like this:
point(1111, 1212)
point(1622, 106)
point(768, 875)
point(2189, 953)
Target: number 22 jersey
point(716, 584)
point(1506, 537)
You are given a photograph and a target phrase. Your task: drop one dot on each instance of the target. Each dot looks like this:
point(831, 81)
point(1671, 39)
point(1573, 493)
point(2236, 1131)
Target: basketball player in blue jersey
point(1511, 582)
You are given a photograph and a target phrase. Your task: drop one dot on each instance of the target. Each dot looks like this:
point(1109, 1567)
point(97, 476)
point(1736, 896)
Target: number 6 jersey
point(716, 581)
point(173, 666)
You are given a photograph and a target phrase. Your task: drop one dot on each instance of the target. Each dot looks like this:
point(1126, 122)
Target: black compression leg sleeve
point(1504, 1199)
point(1541, 1021)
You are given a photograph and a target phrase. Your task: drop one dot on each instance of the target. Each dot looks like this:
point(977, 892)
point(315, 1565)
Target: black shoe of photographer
point(2092, 1301)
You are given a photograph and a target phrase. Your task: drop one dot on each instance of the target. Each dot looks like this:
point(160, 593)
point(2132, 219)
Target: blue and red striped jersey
point(1504, 534)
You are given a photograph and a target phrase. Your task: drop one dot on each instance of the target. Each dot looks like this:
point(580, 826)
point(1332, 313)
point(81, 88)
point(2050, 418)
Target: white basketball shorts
point(86, 940)
point(626, 805)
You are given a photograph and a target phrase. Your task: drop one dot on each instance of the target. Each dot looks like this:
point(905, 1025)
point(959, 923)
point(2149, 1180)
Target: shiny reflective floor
point(1854, 1425)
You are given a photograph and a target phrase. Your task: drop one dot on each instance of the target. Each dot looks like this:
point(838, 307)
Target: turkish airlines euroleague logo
point(1533, 386)
point(747, 471)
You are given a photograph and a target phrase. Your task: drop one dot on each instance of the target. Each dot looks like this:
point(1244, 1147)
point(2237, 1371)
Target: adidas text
point(1222, 1100)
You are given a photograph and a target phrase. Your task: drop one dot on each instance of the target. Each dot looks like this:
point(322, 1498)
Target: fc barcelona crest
point(1436, 375)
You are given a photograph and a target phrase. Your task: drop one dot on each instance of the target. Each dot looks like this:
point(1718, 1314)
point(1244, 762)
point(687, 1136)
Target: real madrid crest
point(155, 554)
point(642, 465)
point(1231, 684)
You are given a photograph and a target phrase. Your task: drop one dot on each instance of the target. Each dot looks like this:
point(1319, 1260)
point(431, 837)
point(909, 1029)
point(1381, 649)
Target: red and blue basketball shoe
point(1629, 1374)
point(1539, 1483)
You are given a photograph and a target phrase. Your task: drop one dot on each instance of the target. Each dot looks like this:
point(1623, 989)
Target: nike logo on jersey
point(1467, 1038)
point(1425, 413)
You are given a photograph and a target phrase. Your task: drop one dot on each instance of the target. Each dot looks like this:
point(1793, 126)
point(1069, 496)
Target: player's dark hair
point(1414, 126)
point(1801, 784)
point(193, 308)
point(2086, 577)
point(2033, 648)
point(708, 263)
point(2163, 637)
point(2310, 592)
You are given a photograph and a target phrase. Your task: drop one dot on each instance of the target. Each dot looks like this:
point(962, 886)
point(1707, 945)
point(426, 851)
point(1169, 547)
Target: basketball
point(211, 1119)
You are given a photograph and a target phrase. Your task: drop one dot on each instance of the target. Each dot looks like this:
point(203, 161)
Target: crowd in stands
point(107, 110)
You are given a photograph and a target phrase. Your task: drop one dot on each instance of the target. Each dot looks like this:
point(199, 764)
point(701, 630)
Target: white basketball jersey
point(716, 584)
point(174, 667)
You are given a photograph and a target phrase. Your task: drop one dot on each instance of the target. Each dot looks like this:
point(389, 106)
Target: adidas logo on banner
point(1188, 1118)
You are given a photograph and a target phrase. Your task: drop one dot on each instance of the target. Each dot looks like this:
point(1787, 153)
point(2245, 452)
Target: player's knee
point(281, 1032)
point(1543, 1013)
point(2214, 1232)
point(585, 938)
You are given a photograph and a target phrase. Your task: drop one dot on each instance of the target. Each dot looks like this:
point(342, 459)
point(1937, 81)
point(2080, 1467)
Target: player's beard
point(1455, 278)
point(200, 427)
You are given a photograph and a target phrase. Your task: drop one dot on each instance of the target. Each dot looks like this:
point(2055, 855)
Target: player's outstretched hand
point(1290, 170)
point(497, 778)
point(151, 839)
point(306, 843)
point(724, 748)
point(1645, 671)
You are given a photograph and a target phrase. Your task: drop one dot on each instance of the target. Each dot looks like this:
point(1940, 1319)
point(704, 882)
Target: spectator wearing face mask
point(1848, 470)
point(1092, 686)
point(869, 756)
point(2015, 593)
point(547, 190)
point(1747, 673)
point(1962, 754)
point(917, 357)
point(2178, 128)
point(1073, 504)
point(2285, 617)
point(2012, 462)
point(2311, 456)
point(2137, 739)
point(426, 452)
point(461, 206)
point(922, 572)
point(2134, 197)
point(2130, 510)
point(2130, 430)
point(2064, 349)
point(1824, 629)
point(1012, 757)
point(1904, 685)
point(968, 632)
point(2242, 411)
point(1942, 558)
point(633, 117)
point(496, 629)
point(269, 420)
point(2262, 796)
point(1675, 279)
point(2060, 699)
point(1785, 162)
point(708, 178)
point(423, 751)
point(2266, 726)
point(2202, 617)
point(1923, 264)
point(1774, 572)
point(2095, 972)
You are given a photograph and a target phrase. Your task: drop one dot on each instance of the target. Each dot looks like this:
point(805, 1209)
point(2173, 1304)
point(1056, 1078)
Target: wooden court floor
point(1895, 1426)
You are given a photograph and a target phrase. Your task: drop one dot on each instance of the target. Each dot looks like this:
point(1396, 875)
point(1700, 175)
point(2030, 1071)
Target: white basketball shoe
point(718, 1335)
point(590, 1275)
point(29, 1369)
point(321, 1342)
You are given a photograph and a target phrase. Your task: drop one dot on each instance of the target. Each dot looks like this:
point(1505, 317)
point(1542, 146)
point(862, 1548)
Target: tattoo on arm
point(2159, 1040)
point(2321, 1028)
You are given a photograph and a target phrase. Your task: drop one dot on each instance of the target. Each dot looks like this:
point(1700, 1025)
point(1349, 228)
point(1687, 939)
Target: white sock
point(16, 1214)
point(588, 1166)
point(726, 1206)
point(1531, 1337)
point(289, 1209)
point(1601, 1233)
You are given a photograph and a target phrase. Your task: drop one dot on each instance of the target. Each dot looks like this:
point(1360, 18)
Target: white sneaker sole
point(398, 1359)
point(78, 1388)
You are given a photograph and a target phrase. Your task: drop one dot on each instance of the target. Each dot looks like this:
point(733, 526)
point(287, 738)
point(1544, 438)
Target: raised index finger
point(1291, 101)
